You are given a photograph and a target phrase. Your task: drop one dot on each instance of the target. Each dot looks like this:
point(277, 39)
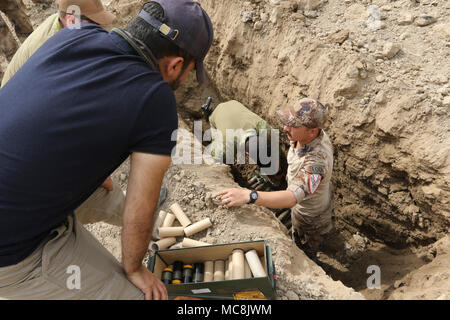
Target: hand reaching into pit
point(233, 197)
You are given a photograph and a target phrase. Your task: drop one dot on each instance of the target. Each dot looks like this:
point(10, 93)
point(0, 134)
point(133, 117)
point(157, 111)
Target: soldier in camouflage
point(233, 117)
point(310, 165)
point(15, 11)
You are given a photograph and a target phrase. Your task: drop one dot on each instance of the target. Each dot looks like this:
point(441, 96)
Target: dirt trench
point(389, 120)
point(389, 123)
point(350, 251)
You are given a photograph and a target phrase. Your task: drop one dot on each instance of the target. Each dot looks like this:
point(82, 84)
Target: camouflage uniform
point(309, 176)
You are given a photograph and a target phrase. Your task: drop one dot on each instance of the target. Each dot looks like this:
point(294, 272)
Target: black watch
point(253, 196)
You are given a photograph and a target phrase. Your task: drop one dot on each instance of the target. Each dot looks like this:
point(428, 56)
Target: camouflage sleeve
point(297, 186)
point(308, 179)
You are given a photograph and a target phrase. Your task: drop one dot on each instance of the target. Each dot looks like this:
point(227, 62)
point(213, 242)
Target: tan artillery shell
point(255, 264)
point(168, 221)
point(209, 271)
point(219, 270)
point(197, 227)
point(162, 244)
point(238, 267)
point(248, 272)
point(165, 232)
point(181, 216)
point(158, 223)
point(193, 243)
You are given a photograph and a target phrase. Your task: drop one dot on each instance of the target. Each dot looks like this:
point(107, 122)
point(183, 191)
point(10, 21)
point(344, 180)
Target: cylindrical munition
point(187, 243)
point(197, 227)
point(255, 264)
point(168, 221)
point(199, 270)
point(177, 272)
point(263, 262)
point(176, 246)
point(253, 180)
point(219, 270)
point(158, 222)
point(238, 264)
point(259, 187)
point(167, 275)
point(227, 270)
point(187, 273)
point(247, 271)
point(165, 232)
point(209, 271)
point(162, 244)
point(181, 216)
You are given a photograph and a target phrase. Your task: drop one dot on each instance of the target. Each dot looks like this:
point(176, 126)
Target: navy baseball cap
point(188, 26)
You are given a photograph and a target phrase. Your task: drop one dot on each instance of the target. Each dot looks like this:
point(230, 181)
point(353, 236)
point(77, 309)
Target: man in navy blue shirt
point(83, 103)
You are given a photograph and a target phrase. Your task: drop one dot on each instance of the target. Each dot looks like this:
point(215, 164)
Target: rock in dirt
point(291, 295)
point(390, 50)
point(276, 15)
point(246, 16)
point(423, 21)
point(360, 241)
point(312, 14)
point(258, 25)
point(446, 102)
point(339, 36)
point(405, 18)
point(380, 78)
point(311, 4)
point(443, 30)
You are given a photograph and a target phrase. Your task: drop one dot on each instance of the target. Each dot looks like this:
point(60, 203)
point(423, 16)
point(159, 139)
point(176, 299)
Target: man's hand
point(107, 184)
point(234, 197)
point(150, 285)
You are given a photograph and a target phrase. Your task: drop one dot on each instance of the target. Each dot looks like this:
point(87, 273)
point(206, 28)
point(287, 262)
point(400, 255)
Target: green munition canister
point(167, 275)
point(199, 269)
point(177, 272)
point(187, 273)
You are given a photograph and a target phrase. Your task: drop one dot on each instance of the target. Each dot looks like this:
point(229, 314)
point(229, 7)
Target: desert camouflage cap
point(307, 112)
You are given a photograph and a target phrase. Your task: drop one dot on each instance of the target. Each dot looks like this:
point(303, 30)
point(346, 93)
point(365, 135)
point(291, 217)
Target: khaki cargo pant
point(71, 263)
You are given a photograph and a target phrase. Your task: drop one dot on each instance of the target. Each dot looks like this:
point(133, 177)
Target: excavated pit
point(389, 124)
point(354, 246)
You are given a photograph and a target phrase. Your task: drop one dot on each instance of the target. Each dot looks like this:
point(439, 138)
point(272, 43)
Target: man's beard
point(177, 82)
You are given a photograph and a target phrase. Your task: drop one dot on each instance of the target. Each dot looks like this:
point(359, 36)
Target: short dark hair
point(159, 45)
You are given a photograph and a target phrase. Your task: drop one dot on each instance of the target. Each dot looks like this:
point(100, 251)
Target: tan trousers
point(71, 263)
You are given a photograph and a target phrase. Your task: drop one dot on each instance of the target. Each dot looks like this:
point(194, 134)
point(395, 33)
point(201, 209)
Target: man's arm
point(146, 174)
point(273, 199)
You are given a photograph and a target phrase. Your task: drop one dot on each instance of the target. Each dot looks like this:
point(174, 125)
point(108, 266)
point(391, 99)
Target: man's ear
point(70, 19)
point(170, 67)
point(174, 66)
